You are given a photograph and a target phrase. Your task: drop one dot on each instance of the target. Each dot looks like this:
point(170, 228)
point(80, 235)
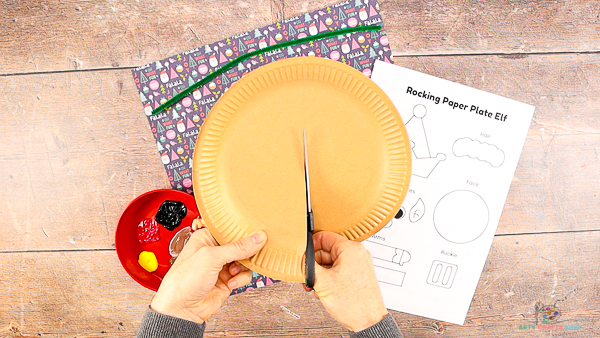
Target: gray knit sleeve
point(156, 325)
point(386, 328)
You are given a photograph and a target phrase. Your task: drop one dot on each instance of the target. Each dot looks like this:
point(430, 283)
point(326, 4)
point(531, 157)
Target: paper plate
point(248, 169)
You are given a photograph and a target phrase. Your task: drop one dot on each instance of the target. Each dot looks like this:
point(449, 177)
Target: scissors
point(310, 227)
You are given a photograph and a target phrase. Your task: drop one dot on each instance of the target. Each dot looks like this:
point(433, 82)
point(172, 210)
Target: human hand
point(204, 275)
point(345, 281)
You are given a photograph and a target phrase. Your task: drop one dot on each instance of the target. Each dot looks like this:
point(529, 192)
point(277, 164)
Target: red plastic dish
point(126, 238)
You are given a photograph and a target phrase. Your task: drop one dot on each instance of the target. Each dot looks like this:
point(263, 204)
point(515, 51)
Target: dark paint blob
point(170, 214)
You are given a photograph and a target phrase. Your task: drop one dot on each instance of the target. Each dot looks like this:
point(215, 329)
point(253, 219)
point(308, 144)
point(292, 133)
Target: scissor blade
point(310, 226)
point(306, 177)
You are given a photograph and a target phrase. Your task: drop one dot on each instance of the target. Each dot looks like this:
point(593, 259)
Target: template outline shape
point(398, 281)
point(392, 254)
point(488, 153)
point(414, 215)
point(445, 218)
point(423, 163)
point(449, 273)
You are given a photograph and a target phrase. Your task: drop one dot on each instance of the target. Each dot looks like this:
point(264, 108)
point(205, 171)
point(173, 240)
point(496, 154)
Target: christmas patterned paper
point(258, 281)
point(176, 130)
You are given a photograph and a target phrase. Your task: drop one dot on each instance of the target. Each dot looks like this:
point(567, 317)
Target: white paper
point(429, 261)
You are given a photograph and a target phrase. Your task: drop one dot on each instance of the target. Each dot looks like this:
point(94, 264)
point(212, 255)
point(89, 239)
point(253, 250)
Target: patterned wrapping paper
point(258, 281)
point(176, 129)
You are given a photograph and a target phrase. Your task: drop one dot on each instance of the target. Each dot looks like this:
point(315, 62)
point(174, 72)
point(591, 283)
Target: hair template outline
point(482, 151)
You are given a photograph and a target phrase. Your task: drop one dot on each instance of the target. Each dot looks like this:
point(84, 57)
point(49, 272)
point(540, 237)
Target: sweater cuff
point(157, 325)
point(386, 328)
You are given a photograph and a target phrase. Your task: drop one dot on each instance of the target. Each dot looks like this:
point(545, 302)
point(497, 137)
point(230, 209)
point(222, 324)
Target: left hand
point(204, 275)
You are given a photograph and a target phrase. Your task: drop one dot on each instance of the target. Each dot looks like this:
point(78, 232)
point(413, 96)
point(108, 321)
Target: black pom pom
point(170, 214)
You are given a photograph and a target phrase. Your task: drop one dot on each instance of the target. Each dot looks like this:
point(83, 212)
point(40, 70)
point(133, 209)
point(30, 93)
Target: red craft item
point(129, 242)
point(148, 231)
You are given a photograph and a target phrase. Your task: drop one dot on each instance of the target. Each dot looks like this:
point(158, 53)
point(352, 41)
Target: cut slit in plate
point(248, 169)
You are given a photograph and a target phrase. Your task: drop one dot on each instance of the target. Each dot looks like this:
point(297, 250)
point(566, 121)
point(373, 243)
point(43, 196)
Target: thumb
point(323, 277)
point(242, 248)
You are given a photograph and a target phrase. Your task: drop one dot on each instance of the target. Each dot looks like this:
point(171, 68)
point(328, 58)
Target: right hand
point(345, 282)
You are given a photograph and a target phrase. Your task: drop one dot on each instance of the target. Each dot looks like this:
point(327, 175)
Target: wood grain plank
point(68, 35)
point(79, 148)
point(565, 197)
point(88, 294)
point(491, 26)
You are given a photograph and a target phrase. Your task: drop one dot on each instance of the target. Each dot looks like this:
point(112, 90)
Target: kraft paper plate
point(248, 169)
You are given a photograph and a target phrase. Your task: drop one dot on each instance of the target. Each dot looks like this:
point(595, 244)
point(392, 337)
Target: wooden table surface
point(76, 148)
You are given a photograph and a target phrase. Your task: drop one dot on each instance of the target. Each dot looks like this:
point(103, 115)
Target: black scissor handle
point(310, 251)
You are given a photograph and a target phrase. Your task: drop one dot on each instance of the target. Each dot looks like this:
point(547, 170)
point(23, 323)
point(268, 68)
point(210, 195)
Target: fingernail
point(232, 284)
point(236, 269)
point(259, 236)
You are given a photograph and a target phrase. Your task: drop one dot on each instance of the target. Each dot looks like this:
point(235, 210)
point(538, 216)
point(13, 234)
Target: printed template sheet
point(466, 145)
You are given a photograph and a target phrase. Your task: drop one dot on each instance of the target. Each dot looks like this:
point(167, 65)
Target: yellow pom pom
point(148, 261)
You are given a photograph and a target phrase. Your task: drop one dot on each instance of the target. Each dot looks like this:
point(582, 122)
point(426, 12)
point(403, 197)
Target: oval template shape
point(248, 166)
